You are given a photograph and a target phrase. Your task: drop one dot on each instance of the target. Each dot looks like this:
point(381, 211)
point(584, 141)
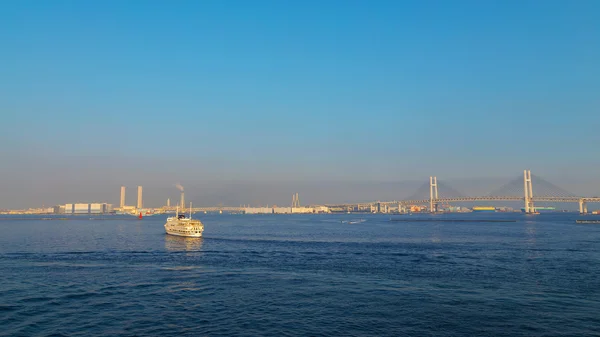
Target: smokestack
point(179, 187)
point(139, 203)
point(122, 196)
point(168, 202)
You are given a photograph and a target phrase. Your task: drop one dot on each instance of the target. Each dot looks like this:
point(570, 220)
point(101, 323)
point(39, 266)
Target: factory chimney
point(122, 204)
point(168, 202)
point(179, 187)
point(139, 201)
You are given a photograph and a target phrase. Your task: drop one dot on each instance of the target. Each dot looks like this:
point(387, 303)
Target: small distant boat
point(588, 221)
point(484, 209)
point(181, 226)
point(354, 221)
point(541, 209)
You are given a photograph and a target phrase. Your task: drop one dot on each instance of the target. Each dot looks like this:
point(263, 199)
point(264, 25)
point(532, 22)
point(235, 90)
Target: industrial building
point(258, 210)
point(83, 208)
point(140, 202)
point(295, 209)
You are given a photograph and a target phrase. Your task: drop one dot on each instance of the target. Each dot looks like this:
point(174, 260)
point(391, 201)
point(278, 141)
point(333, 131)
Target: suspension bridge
point(519, 189)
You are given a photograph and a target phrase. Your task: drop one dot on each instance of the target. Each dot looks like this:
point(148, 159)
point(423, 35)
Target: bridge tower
point(433, 194)
point(528, 190)
point(582, 206)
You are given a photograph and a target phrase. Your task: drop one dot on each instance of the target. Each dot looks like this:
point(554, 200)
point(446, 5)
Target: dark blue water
point(301, 275)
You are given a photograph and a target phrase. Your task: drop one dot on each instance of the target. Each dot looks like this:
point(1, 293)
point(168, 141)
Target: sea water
point(311, 275)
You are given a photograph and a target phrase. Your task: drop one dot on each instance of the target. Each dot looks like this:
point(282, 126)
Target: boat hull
point(542, 209)
point(484, 209)
point(186, 235)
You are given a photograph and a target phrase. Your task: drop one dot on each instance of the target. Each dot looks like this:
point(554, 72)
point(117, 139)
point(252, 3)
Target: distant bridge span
point(527, 198)
point(469, 199)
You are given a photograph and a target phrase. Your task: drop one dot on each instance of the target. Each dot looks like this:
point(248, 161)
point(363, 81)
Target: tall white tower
point(433, 194)
point(139, 203)
point(528, 189)
point(122, 204)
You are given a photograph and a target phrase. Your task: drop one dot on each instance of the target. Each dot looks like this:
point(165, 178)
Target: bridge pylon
point(582, 206)
point(433, 194)
point(528, 191)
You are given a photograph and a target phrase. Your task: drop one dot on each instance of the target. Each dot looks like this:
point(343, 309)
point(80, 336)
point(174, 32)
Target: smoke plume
point(179, 187)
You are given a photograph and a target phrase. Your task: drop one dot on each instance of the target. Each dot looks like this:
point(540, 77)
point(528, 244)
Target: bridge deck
point(471, 199)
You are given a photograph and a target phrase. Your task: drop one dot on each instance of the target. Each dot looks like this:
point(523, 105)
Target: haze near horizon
point(251, 101)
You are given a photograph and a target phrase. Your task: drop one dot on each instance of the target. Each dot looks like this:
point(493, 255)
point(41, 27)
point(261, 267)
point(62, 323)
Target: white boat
point(181, 226)
point(354, 221)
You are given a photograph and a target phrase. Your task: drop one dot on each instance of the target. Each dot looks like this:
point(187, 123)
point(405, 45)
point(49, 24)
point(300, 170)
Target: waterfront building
point(83, 208)
point(286, 210)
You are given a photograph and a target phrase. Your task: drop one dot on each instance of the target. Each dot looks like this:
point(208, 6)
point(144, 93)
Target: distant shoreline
point(67, 218)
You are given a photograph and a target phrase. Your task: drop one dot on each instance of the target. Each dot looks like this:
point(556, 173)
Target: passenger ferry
point(181, 226)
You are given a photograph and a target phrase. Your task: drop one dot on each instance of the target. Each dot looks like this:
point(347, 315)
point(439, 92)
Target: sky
point(268, 97)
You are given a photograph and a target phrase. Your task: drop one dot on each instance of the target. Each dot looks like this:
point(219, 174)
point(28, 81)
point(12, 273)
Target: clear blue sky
point(107, 92)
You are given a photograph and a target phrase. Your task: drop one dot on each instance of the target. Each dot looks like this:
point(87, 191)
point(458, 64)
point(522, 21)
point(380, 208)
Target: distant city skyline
point(235, 193)
point(284, 97)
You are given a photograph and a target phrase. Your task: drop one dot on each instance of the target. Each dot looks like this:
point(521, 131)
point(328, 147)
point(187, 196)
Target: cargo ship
point(484, 209)
point(541, 209)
